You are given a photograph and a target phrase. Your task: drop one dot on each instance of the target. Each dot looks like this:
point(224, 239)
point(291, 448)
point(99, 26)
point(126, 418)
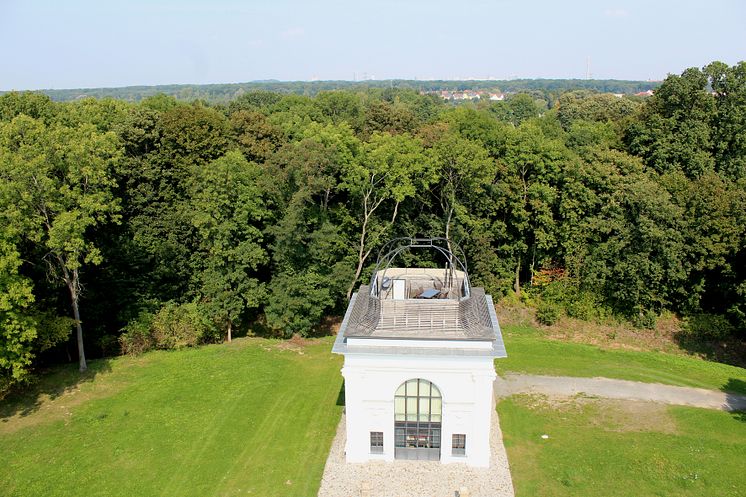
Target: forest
point(224, 93)
point(163, 223)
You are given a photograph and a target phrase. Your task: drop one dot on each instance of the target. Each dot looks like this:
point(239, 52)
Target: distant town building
point(462, 95)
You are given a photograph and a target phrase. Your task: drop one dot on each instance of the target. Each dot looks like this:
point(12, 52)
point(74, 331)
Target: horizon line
point(353, 81)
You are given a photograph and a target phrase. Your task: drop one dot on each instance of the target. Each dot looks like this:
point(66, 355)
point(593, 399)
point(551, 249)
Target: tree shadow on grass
point(728, 351)
point(49, 384)
point(341, 395)
point(735, 398)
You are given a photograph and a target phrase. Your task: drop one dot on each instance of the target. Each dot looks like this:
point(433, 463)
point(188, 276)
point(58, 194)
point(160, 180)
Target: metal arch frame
point(398, 245)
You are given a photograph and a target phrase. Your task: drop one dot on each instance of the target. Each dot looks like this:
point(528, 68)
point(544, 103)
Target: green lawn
point(528, 352)
point(255, 417)
point(616, 448)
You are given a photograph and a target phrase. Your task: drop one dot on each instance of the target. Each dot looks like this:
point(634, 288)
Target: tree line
point(159, 224)
point(224, 93)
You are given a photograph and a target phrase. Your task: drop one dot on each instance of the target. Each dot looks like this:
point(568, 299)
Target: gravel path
point(619, 389)
point(415, 478)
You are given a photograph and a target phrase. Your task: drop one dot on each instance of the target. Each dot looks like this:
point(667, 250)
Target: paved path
point(415, 478)
point(619, 389)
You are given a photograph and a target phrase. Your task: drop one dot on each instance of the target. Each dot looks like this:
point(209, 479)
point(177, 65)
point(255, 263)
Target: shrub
point(708, 326)
point(583, 306)
point(548, 313)
point(137, 338)
point(181, 325)
point(576, 303)
point(108, 344)
point(645, 319)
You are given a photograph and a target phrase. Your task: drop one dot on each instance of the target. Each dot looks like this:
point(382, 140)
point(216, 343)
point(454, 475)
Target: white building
point(419, 346)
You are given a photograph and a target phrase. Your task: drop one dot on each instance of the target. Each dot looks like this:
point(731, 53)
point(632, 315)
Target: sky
point(88, 44)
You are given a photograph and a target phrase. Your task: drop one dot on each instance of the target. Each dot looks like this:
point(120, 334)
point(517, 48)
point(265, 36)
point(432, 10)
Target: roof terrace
point(421, 303)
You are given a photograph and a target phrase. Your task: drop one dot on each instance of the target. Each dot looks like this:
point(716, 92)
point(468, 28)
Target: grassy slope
point(256, 417)
point(592, 450)
point(252, 417)
point(528, 352)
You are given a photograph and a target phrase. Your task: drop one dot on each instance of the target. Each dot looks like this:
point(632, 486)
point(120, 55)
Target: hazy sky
point(79, 43)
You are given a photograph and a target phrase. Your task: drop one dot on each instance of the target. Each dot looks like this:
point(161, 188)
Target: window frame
point(418, 412)
point(376, 442)
point(458, 444)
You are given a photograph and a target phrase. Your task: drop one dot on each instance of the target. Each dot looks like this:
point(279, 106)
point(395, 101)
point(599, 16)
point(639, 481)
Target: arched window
point(417, 419)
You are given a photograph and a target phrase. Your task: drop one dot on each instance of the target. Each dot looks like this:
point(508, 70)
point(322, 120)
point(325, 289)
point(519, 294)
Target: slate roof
point(471, 319)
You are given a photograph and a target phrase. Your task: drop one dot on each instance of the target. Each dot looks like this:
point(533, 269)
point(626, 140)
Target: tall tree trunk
point(448, 229)
point(517, 284)
point(448, 244)
point(230, 329)
point(73, 283)
point(369, 207)
point(361, 256)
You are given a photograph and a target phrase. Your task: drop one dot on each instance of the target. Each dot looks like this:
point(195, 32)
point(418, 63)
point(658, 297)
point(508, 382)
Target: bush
point(583, 306)
point(137, 338)
point(182, 325)
point(174, 326)
point(548, 313)
point(108, 345)
point(708, 326)
point(576, 303)
point(645, 319)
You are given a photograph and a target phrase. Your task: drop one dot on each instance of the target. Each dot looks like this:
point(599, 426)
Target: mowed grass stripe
point(232, 419)
point(221, 431)
point(302, 422)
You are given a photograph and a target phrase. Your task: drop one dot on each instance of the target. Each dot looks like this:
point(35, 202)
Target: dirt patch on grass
point(295, 344)
point(42, 404)
point(608, 414)
point(635, 416)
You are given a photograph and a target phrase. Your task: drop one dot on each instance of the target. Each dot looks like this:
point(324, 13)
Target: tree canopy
point(164, 222)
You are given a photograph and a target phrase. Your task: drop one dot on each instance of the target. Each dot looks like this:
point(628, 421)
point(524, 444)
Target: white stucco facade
point(465, 383)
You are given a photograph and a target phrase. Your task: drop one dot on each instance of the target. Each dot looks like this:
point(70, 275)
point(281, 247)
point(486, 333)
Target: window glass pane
point(412, 388)
point(411, 408)
point(435, 392)
point(459, 441)
point(411, 437)
point(401, 390)
point(424, 409)
point(437, 405)
point(399, 408)
point(422, 438)
point(424, 388)
point(435, 435)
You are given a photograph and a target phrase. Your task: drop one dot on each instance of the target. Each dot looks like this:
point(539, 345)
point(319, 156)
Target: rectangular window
point(458, 444)
point(376, 442)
